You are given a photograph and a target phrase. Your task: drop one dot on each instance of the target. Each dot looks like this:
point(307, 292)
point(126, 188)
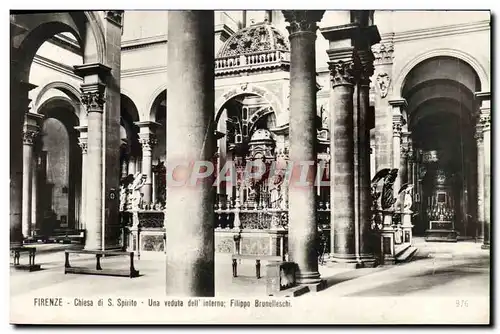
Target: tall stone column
point(302, 228)
point(350, 68)
point(93, 99)
point(19, 103)
point(480, 180)
point(147, 140)
point(485, 122)
point(362, 161)
point(398, 107)
point(83, 143)
point(30, 133)
point(190, 138)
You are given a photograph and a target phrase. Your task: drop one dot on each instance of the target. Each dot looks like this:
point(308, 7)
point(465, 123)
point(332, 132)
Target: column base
point(334, 261)
point(485, 246)
point(308, 278)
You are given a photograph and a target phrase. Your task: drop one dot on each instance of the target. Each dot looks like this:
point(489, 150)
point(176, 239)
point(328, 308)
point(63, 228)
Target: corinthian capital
point(344, 72)
point(29, 136)
point(82, 142)
point(302, 20)
point(485, 121)
point(478, 134)
point(148, 141)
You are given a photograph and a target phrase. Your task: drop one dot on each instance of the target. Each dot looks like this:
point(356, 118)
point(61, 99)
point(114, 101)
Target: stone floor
point(443, 269)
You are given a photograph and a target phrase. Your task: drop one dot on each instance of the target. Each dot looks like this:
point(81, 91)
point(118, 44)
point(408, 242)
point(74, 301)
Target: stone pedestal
point(407, 227)
point(387, 240)
point(302, 134)
point(190, 138)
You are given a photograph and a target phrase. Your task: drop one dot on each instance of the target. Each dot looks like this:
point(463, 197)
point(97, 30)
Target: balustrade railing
point(257, 58)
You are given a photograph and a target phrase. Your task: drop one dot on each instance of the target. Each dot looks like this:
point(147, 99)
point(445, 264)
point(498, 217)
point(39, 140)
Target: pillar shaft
point(351, 65)
point(342, 151)
point(93, 94)
point(480, 181)
point(190, 138)
point(94, 184)
point(83, 218)
point(363, 183)
point(147, 141)
point(29, 135)
point(302, 233)
point(487, 178)
point(19, 102)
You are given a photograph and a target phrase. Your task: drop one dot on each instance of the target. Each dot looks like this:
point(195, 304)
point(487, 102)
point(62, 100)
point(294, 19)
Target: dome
point(261, 134)
point(255, 38)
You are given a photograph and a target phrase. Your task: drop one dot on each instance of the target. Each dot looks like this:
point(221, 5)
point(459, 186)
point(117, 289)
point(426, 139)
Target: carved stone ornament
point(93, 100)
point(302, 20)
point(83, 145)
point(383, 83)
point(343, 72)
point(478, 134)
point(397, 128)
point(147, 142)
point(485, 121)
point(29, 136)
point(383, 53)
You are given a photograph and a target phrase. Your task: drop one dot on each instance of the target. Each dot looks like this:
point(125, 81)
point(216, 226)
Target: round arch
point(35, 29)
point(68, 89)
point(467, 58)
point(154, 99)
point(60, 102)
point(251, 89)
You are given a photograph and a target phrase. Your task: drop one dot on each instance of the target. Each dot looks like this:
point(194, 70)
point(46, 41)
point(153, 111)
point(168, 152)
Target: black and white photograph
point(274, 166)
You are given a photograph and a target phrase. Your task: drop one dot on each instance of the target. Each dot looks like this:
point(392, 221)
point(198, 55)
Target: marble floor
point(437, 268)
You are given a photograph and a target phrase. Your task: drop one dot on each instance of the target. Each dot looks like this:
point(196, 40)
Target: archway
point(440, 95)
point(58, 168)
point(28, 33)
point(130, 149)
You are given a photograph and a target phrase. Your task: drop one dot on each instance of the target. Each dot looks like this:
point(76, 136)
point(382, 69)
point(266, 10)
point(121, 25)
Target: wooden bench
point(31, 266)
point(130, 272)
point(257, 258)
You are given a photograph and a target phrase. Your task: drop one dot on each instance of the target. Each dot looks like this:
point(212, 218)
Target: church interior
point(392, 111)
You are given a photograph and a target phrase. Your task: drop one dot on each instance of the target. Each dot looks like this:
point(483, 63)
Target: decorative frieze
point(302, 20)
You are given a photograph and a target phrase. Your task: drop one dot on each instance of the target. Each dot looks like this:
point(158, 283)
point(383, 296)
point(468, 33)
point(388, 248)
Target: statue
point(124, 187)
point(377, 185)
point(388, 199)
point(275, 192)
point(137, 184)
point(405, 197)
point(376, 191)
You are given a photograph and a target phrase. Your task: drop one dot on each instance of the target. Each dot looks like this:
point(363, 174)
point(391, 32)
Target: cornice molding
point(145, 42)
point(441, 31)
point(61, 68)
point(134, 72)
